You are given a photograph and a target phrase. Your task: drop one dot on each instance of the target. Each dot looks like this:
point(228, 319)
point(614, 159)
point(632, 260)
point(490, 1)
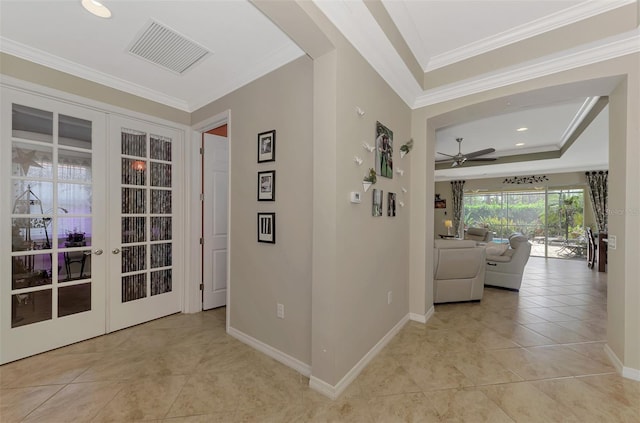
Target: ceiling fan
point(459, 159)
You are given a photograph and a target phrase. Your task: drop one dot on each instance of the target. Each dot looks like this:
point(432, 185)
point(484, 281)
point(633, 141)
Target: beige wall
point(624, 322)
point(360, 258)
point(262, 275)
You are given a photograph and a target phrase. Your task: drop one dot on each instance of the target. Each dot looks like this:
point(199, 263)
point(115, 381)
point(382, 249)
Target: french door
point(87, 201)
point(142, 224)
point(53, 195)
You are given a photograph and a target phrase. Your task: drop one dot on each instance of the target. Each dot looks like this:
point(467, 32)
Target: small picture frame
point(267, 146)
point(391, 204)
point(267, 185)
point(267, 227)
point(376, 209)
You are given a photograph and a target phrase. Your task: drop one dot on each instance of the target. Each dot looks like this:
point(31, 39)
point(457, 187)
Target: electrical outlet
point(389, 297)
point(280, 311)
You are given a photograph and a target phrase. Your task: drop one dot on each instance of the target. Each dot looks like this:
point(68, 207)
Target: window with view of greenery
point(555, 214)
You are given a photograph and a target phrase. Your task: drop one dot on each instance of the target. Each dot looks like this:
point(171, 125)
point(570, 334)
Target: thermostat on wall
point(356, 197)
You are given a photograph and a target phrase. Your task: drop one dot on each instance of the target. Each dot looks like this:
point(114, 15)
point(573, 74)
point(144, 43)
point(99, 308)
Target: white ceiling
point(245, 45)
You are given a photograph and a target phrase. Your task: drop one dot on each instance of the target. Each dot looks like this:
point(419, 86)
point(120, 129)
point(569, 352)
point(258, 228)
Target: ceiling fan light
point(96, 8)
point(519, 144)
point(522, 129)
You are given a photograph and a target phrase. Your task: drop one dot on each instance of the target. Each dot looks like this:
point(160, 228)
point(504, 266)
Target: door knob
point(115, 250)
point(98, 252)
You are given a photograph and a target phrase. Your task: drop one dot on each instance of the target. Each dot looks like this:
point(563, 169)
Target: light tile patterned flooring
point(536, 356)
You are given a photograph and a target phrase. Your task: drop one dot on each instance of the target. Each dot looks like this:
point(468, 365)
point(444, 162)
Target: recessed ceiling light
point(96, 8)
point(520, 144)
point(521, 129)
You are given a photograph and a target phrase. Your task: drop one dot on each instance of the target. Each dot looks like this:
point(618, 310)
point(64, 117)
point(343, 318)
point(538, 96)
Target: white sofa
point(458, 271)
point(505, 270)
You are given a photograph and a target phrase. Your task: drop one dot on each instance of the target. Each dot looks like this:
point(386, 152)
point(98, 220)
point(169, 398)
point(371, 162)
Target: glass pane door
point(143, 253)
point(52, 287)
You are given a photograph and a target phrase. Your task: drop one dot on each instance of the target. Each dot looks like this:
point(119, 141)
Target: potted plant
point(369, 179)
point(404, 149)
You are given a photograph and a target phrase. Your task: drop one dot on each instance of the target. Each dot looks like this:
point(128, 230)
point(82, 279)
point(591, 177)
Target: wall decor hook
point(400, 172)
point(358, 160)
point(359, 111)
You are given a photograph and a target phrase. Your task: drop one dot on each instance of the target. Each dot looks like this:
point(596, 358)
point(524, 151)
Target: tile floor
point(536, 356)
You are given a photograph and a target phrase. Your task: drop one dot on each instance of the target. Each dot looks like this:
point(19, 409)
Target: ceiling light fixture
point(522, 129)
point(520, 144)
point(96, 8)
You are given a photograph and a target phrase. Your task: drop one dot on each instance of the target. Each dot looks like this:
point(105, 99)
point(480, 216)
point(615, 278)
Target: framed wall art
point(384, 151)
point(267, 227)
point(267, 146)
point(376, 209)
point(267, 185)
point(391, 204)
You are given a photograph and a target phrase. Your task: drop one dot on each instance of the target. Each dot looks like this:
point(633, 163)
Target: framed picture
point(267, 227)
point(440, 203)
point(267, 146)
point(384, 151)
point(376, 209)
point(267, 185)
point(391, 204)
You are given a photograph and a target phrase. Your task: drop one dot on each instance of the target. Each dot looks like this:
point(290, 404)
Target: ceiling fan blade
point(448, 155)
point(483, 159)
point(480, 153)
point(445, 161)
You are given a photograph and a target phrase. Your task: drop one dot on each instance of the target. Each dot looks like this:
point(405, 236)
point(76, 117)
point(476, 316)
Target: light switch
point(612, 242)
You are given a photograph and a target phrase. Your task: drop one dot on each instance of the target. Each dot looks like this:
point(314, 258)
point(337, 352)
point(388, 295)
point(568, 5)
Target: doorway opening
point(214, 211)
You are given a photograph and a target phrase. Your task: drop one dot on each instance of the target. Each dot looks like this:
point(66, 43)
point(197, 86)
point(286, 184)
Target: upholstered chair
point(505, 267)
point(458, 271)
point(478, 234)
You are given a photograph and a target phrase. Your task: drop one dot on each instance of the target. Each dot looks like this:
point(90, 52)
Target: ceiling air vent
point(165, 47)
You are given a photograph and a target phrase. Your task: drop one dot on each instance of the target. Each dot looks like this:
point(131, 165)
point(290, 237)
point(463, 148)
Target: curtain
point(456, 189)
point(598, 193)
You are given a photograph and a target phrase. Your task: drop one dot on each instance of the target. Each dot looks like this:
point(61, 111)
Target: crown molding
point(277, 59)
point(548, 23)
point(372, 43)
point(629, 43)
point(46, 59)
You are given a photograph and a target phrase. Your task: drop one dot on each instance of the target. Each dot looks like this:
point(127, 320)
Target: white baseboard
point(334, 392)
point(422, 318)
point(274, 353)
point(626, 372)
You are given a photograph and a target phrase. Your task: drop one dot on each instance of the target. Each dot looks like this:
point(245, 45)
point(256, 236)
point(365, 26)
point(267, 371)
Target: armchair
point(478, 234)
point(505, 270)
point(458, 271)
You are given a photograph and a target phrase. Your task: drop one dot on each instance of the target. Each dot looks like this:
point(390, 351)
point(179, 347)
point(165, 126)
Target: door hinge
point(201, 287)
point(202, 196)
point(201, 241)
point(201, 150)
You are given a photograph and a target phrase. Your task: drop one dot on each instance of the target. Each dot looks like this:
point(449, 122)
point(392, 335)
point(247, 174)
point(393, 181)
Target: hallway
point(536, 356)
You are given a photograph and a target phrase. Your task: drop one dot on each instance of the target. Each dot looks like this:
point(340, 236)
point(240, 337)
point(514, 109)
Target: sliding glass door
point(552, 219)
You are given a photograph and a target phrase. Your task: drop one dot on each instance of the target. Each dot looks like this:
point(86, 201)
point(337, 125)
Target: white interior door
point(215, 223)
point(143, 225)
point(53, 199)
